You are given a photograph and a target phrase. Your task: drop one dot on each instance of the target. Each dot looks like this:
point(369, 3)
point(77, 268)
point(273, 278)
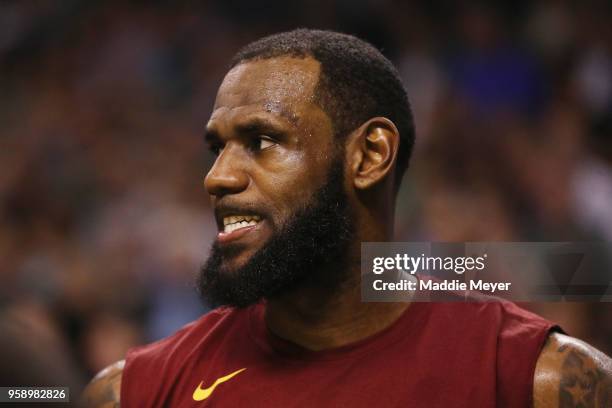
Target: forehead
point(276, 84)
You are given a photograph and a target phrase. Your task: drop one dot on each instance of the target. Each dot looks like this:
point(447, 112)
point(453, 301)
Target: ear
point(373, 152)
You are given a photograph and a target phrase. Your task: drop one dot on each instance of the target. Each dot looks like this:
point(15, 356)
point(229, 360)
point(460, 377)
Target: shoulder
point(105, 389)
point(183, 340)
point(571, 373)
point(145, 364)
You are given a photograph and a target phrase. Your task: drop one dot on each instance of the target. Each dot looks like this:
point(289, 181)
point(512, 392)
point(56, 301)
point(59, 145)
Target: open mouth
point(236, 222)
point(237, 226)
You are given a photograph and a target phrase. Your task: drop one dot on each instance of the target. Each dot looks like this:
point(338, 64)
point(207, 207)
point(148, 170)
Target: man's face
point(277, 186)
point(274, 149)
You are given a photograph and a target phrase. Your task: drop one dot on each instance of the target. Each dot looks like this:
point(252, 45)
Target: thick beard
point(310, 251)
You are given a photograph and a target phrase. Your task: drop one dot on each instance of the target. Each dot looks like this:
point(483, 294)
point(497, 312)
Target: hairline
point(317, 89)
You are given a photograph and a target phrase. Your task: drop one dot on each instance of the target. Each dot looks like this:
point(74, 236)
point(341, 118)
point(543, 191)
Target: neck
point(318, 319)
point(323, 318)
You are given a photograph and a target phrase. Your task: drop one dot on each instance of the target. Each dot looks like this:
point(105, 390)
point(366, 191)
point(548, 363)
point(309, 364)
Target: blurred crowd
point(103, 103)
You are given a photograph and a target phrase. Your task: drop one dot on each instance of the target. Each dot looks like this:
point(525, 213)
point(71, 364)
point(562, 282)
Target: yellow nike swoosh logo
point(200, 395)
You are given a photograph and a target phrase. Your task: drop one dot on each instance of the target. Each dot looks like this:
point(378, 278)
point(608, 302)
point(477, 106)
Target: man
point(312, 132)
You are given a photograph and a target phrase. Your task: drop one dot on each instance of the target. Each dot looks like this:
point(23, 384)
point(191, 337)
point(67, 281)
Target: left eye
point(263, 142)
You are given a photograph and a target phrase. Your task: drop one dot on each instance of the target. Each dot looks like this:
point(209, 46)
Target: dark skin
point(104, 390)
point(274, 146)
point(570, 373)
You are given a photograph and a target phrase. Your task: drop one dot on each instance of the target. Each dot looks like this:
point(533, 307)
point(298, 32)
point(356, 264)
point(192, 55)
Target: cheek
point(288, 184)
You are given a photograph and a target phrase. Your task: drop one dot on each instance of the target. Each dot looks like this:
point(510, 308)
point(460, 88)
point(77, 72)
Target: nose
point(227, 175)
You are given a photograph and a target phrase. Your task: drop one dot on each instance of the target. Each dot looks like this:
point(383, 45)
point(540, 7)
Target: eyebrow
point(249, 125)
point(256, 124)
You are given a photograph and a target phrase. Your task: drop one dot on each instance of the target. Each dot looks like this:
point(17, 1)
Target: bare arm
point(571, 373)
point(104, 390)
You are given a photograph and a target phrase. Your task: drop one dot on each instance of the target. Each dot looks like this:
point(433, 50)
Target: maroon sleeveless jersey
point(434, 355)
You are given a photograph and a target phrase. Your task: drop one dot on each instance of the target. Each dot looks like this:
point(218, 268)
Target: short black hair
point(356, 82)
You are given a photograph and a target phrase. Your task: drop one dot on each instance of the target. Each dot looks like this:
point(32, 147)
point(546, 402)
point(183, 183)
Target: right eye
point(215, 148)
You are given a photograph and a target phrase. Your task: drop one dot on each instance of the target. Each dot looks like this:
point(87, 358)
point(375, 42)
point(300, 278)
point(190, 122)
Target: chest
point(393, 377)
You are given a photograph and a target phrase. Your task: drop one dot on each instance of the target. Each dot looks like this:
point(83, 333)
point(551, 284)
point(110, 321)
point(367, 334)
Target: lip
point(225, 210)
point(227, 237)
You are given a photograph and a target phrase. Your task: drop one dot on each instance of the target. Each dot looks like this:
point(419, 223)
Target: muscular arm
point(570, 373)
point(104, 390)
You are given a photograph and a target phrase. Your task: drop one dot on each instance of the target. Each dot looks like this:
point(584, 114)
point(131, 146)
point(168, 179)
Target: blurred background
point(104, 221)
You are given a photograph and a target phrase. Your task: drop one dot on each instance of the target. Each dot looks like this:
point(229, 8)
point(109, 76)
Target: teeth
point(234, 222)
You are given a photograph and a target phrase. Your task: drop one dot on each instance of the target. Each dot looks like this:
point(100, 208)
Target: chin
point(235, 260)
